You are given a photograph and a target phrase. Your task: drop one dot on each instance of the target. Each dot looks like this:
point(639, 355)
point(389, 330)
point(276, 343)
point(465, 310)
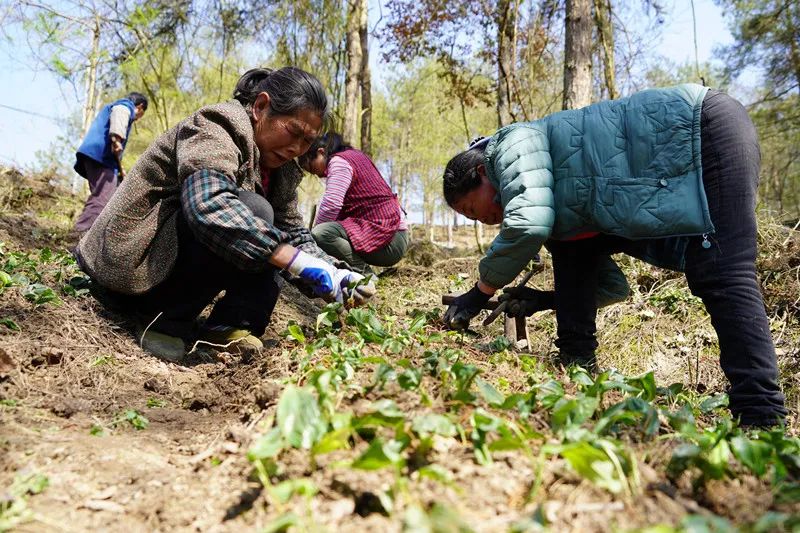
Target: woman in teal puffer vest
point(665, 175)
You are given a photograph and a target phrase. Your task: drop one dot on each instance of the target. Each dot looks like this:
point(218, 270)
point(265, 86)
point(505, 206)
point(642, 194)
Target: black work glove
point(524, 301)
point(465, 308)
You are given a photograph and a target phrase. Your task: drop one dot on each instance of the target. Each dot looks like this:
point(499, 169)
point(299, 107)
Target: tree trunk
point(90, 96)
point(449, 223)
point(578, 55)
point(90, 100)
point(794, 50)
point(506, 13)
point(366, 81)
point(479, 236)
point(350, 124)
point(605, 33)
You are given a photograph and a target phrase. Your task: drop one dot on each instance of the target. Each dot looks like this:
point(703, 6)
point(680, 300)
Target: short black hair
point(331, 142)
point(138, 99)
point(461, 173)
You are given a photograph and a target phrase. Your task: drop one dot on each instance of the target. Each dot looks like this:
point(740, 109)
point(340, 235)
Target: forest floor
point(384, 422)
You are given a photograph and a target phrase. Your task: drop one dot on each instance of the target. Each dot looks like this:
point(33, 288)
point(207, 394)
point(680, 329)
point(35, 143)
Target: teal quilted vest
point(629, 167)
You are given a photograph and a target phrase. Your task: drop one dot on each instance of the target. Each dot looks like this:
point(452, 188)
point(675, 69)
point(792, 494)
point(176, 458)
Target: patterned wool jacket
point(133, 245)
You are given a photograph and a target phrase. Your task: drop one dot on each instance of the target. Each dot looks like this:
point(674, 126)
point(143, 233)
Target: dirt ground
point(73, 373)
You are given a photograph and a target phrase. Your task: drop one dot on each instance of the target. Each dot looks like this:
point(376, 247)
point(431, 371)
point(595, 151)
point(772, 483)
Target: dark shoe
point(389, 271)
point(163, 346)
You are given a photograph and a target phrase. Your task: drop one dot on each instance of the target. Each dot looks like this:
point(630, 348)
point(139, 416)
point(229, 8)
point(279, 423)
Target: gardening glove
point(330, 283)
point(524, 301)
point(465, 308)
point(360, 289)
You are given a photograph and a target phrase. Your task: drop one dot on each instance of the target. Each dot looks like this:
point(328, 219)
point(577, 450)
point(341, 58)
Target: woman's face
point(281, 138)
point(317, 163)
point(479, 204)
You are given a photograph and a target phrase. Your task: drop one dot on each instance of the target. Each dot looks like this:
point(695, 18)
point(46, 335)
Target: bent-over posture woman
point(666, 175)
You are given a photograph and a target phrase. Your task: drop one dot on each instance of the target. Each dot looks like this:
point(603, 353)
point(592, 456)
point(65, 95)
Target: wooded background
point(453, 69)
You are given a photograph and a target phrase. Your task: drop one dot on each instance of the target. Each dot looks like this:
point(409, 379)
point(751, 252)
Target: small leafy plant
point(132, 417)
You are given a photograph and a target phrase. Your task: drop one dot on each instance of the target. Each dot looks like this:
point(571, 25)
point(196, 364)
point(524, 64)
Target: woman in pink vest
point(359, 219)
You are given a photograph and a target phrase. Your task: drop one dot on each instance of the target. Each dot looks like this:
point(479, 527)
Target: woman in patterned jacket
point(359, 219)
point(210, 206)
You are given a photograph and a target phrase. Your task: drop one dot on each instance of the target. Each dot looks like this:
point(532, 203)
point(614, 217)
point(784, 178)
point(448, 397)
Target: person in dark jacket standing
point(668, 176)
point(211, 206)
point(99, 155)
point(359, 219)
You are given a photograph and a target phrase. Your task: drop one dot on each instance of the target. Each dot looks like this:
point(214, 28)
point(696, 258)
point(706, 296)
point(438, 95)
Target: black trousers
point(722, 275)
point(198, 277)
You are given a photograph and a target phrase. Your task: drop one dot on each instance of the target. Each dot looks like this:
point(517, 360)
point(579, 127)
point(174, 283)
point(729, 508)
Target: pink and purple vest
point(370, 213)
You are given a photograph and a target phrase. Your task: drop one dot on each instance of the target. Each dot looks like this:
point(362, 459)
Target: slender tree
point(603, 14)
point(578, 54)
point(365, 80)
point(352, 75)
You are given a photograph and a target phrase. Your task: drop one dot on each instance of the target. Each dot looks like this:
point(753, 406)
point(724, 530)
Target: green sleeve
point(519, 165)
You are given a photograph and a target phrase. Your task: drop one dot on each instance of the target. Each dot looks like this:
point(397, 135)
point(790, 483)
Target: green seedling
point(604, 462)
point(367, 325)
point(5, 281)
point(9, 322)
point(329, 318)
point(155, 403)
point(40, 294)
point(708, 452)
point(295, 332)
point(133, 417)
point(103, 360)
point(458, 281)
point(676, 300)
point(77, 286)
point(499, 344)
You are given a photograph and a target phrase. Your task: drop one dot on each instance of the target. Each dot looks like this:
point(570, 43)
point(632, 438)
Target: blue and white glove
point(331, 283)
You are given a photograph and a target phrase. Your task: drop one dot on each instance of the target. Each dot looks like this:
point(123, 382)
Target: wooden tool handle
point(496, 313)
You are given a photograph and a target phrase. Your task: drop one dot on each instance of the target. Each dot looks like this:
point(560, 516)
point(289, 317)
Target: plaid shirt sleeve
point(222, 222)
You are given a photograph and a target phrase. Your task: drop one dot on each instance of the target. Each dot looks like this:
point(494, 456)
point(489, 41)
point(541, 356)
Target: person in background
point(666, 175)
point(99, 155)
point(359, 219)
point(211, 205)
